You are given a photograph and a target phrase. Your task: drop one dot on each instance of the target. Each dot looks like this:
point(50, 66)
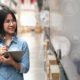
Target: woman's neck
point(8, 37)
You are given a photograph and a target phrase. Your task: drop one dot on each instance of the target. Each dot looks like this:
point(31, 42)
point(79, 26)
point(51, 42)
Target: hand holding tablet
point(15, 54)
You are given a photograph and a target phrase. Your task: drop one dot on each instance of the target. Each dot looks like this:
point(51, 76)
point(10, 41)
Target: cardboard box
point(52, 59)
point(54, 72)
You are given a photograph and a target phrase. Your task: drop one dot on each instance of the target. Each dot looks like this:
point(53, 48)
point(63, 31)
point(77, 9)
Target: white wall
point(71, 24)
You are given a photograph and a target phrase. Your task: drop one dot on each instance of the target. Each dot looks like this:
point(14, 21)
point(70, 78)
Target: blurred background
point(39, 22)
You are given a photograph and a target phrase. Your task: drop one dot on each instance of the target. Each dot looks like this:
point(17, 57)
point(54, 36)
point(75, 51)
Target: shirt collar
point(14, 39)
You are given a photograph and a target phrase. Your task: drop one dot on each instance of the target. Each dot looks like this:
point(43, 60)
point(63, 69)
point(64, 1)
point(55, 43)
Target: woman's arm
point(25, 62)
point(16, 65)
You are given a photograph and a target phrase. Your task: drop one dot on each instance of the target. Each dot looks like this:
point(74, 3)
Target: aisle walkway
point(35, 42)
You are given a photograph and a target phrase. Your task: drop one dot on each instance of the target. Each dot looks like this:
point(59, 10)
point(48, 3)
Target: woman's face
point(9, 24)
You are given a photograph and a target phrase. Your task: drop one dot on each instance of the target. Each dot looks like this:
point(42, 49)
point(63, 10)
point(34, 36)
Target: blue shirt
point(8, 72)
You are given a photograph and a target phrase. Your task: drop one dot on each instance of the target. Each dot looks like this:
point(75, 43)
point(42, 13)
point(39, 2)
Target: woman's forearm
point(16, 65)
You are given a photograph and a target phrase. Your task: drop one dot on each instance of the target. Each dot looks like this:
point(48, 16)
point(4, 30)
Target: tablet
point(15, 54)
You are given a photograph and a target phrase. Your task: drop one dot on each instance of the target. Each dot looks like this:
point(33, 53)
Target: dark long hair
point(3, 14)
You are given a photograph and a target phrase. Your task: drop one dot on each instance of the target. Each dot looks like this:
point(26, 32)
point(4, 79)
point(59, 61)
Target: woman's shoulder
point(21, 40)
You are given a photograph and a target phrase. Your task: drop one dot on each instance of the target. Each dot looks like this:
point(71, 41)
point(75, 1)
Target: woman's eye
point(8, 21)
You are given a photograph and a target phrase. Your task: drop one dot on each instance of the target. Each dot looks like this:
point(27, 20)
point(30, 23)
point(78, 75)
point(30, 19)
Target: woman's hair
point(3, 14)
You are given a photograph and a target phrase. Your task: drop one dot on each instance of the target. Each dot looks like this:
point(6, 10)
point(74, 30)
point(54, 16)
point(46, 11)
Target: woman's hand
point(9, 60)
point(3, 50)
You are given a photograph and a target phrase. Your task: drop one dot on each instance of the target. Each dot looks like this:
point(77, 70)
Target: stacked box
point(54, 72)
point(52, 59)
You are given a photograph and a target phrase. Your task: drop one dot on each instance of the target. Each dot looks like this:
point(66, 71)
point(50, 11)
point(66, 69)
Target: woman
point(9, 68)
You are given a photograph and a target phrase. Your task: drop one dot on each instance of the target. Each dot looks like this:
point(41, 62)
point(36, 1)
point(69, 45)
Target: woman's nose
point(11, 23)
